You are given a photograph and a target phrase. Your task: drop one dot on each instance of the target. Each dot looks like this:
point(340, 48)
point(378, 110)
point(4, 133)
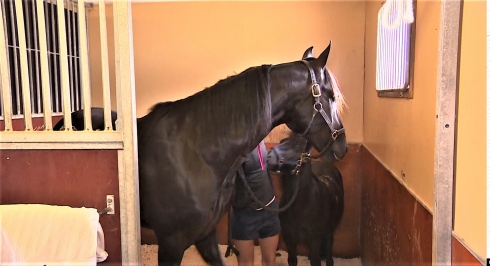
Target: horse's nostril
point(346, 149)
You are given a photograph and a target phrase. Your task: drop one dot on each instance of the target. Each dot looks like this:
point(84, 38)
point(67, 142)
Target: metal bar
point(37, 54)
point(70, 57)
point(89, 145)
point(54, 60)
point(446, 94)
point(59, 136)
point(127, 158)
point(14, 59)
point(43, 49)
point(29, 54)
point(5, 78)
point(76, 58)
point(24, 66)
point(85, 81)
point(106, 88)
point(65, 79)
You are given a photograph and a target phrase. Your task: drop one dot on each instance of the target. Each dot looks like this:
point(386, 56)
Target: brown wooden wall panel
point(460, 255)
point(37, 122)
point(395, 228)
point(65, 177)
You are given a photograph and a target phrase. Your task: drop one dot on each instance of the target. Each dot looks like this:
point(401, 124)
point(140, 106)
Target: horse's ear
point(308, 53)
point(322, 59)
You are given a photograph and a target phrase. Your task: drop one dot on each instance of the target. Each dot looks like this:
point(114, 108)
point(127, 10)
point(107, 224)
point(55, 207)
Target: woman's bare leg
point(268, 247)
point(246, 249)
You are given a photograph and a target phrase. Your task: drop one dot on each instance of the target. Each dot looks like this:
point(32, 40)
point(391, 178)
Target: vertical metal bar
point(29, 54)
point(76, 58)
point(24, 66)
point(36, 57)
point(5, 77)
point(446, 92)
point(56, 73)
point(14, 59)
point(128, 157)
point(70, 56)
point(85, 81)
point(46, 89)
point(106, 88)
point(65, 79)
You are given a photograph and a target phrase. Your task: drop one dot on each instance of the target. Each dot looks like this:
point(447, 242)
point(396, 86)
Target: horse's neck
point(284, 95)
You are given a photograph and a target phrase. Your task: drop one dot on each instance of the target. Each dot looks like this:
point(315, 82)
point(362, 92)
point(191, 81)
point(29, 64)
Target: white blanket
point(35, 234)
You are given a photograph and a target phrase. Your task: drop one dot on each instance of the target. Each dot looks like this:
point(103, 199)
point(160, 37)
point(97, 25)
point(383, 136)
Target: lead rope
point(231, 248)
point(261, 204)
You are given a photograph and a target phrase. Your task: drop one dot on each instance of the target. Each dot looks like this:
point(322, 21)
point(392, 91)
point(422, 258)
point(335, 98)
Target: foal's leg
point(314, 246)
point(328, 248)
point(291, 247)
point(209, 250)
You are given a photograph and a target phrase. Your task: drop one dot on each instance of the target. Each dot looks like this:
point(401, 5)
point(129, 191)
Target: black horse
point(318, 207)
point(189, 150)
point(78, 123)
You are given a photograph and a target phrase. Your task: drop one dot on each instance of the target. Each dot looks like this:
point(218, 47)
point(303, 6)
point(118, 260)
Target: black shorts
point(253, 224)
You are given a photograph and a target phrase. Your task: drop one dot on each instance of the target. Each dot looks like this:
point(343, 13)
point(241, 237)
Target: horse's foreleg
point(209, 250)
point(170, 250)
point(166, 257)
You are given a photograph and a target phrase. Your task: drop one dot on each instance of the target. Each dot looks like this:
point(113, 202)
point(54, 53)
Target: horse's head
point(314, 104)
point(287, 155)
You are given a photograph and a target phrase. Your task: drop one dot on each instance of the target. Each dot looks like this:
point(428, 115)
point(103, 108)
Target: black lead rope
point(261, 204)
point(231, 248)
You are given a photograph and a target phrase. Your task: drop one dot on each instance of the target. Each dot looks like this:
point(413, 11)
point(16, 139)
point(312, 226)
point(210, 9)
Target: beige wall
point(470, 209)
point(401, 132)
point(181, 48)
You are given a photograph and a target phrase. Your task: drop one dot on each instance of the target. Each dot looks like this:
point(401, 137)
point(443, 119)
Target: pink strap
point(260, 157)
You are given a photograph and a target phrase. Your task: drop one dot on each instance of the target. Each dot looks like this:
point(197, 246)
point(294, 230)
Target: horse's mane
point(339, 97)
point(245, 97)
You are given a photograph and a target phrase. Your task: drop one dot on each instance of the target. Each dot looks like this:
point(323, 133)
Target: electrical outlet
point(110, 204)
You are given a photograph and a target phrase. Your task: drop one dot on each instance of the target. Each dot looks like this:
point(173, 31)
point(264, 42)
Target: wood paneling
point(74, 178)
point(460, 255)
point(395, 228)
point(37, 123)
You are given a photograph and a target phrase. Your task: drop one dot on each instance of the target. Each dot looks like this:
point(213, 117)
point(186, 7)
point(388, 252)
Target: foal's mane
point(238, 102)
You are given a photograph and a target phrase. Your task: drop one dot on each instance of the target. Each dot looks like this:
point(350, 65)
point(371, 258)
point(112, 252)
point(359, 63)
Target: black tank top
point(257, 177)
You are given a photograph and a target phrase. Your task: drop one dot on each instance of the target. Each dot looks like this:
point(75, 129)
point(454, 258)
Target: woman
point(249, 221)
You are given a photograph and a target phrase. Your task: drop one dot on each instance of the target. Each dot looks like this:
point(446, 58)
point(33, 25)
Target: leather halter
point(318, 108)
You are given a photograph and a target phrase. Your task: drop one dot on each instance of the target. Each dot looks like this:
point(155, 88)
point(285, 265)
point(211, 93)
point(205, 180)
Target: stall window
point(395, 43)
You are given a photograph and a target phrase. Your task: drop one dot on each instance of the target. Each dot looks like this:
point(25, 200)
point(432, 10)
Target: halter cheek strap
point(318, 108)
